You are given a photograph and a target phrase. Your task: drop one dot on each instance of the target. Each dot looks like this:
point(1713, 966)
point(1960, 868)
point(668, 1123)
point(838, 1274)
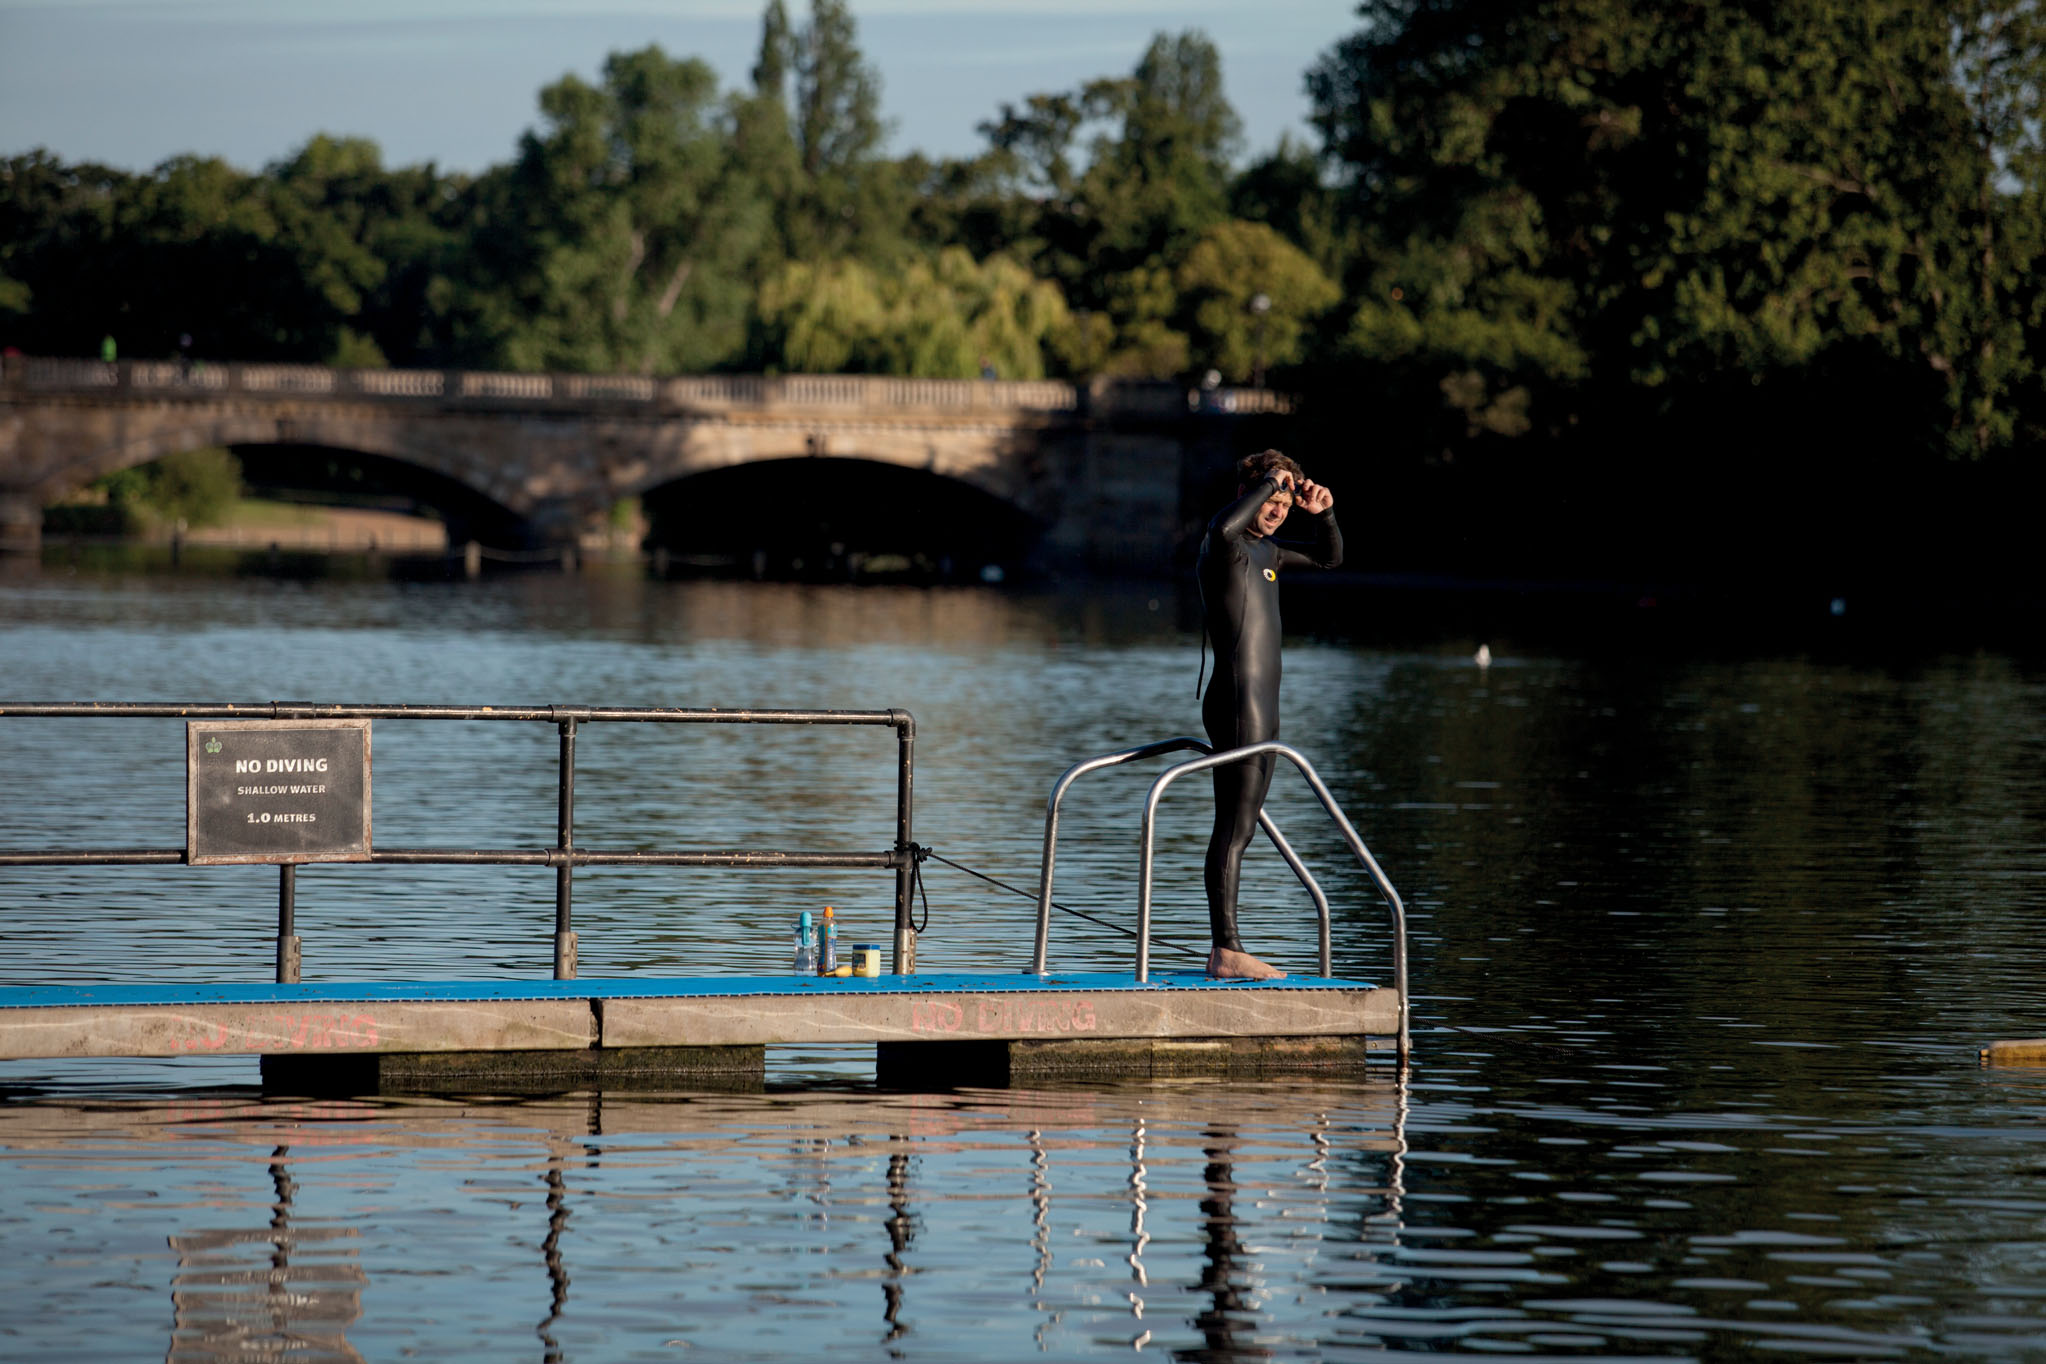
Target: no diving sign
point(276, 791)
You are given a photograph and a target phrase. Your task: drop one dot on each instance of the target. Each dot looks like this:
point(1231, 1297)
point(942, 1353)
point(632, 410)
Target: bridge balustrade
point(37, 372)
point(631, 387)
point(290, 379)
point(401, 383)
point(173, 374)
point(1139, 398)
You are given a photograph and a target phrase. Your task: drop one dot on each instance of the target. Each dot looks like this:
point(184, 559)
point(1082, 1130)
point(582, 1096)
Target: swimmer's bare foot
point(1225, 963)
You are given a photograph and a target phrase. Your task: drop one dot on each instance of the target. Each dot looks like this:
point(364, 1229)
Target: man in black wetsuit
point(1238, 571)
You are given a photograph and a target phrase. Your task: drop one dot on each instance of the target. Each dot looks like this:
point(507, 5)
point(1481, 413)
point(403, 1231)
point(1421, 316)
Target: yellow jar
point(867, 960)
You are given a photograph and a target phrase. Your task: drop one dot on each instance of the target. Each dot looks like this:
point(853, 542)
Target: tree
point(838, 94)
point(849, 200)
point(624, 234)
point(1232, 269)
point(763, 144)
point(1162, 180)
point(1586, 214)
point(1034, 142)
point(56, 224)
point(371, 239)
point(945, 316)
point(1860, 150)
point(1287, 191)
point(1465, 133)
point(188, 488)
point(1158, 147)
point(322, 257)
point(1998, 190)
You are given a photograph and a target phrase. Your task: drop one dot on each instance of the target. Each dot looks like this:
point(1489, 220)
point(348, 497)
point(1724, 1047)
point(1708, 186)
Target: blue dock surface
point(129, 995)
point(615, 1016)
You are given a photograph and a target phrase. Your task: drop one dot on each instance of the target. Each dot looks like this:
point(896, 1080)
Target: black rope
point(917, 853)
point(922, 852)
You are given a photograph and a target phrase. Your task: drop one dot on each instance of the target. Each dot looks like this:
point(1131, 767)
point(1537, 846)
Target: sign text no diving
point(276, 791)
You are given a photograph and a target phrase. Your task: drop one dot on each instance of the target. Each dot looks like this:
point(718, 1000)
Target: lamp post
point(1260, 305)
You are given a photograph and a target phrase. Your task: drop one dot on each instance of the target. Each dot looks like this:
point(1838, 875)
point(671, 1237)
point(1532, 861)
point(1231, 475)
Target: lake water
point(1704, 944)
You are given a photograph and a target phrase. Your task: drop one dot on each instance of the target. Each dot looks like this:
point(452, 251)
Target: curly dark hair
point(1255, 468)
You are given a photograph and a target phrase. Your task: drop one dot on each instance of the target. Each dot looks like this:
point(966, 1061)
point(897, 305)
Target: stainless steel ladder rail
point(1328, 803)
point(1176, 745)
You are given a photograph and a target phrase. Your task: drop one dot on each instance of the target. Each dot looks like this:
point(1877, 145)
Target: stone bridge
point(1108, 475)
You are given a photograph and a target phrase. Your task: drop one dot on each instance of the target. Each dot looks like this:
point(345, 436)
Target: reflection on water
point(277, 1292)
point(1703, 949)
point(751, 1229)
point(1204, 1221)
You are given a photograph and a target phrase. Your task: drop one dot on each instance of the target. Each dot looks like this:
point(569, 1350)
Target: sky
point(132, 82)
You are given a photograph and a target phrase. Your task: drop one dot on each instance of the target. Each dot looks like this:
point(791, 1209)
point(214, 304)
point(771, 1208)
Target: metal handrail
point(1328, 803)
point(1180, 744)
point(564, 856)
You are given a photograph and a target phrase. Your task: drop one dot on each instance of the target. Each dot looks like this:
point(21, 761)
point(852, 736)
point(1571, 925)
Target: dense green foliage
point(1533, 231)
point(1616, 211)
point(184, 490)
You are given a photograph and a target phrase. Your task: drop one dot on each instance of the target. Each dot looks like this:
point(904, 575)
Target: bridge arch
point(396, 459)
point(839, 517)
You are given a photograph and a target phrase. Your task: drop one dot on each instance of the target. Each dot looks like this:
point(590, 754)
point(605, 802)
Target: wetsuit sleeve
point(1327, 550)
point(1233, 520)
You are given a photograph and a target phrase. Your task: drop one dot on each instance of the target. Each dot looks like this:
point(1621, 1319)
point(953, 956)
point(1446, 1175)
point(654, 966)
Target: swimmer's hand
point(1313, 497)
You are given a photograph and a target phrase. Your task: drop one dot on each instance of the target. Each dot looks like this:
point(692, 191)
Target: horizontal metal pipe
point(296, 710)
point(93, 857)
point(591, 857)
point(510, 857)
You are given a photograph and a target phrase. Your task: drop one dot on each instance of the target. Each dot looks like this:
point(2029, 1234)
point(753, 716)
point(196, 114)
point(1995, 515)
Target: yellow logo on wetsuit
point(1271, 575)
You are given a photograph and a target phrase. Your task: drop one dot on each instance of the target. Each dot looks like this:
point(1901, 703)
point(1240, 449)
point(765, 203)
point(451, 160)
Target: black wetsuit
point(1239, 581)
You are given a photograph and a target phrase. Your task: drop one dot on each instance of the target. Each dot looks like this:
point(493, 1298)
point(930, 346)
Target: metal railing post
point(287, 925)
point(564, 873)
point(905, 869)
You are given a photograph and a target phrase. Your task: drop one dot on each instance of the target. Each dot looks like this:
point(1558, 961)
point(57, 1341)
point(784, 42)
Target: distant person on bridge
point(1238, 571)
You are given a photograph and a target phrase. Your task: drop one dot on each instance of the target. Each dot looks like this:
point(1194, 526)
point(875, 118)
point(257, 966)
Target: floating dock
point(366, 1037)
point(569, 1033)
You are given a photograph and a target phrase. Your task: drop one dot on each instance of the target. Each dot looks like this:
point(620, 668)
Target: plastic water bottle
point(827, 944)
point(806, 946)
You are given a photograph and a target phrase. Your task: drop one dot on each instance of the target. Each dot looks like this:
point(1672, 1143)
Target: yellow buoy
point(2021, 1052)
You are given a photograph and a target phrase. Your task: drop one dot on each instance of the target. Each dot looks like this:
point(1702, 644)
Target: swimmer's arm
point(1327, 550)
point(1234, 520)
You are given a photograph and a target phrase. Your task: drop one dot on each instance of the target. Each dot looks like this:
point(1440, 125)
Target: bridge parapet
point(167, 377)
point(163, 377)
point(868, 391)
